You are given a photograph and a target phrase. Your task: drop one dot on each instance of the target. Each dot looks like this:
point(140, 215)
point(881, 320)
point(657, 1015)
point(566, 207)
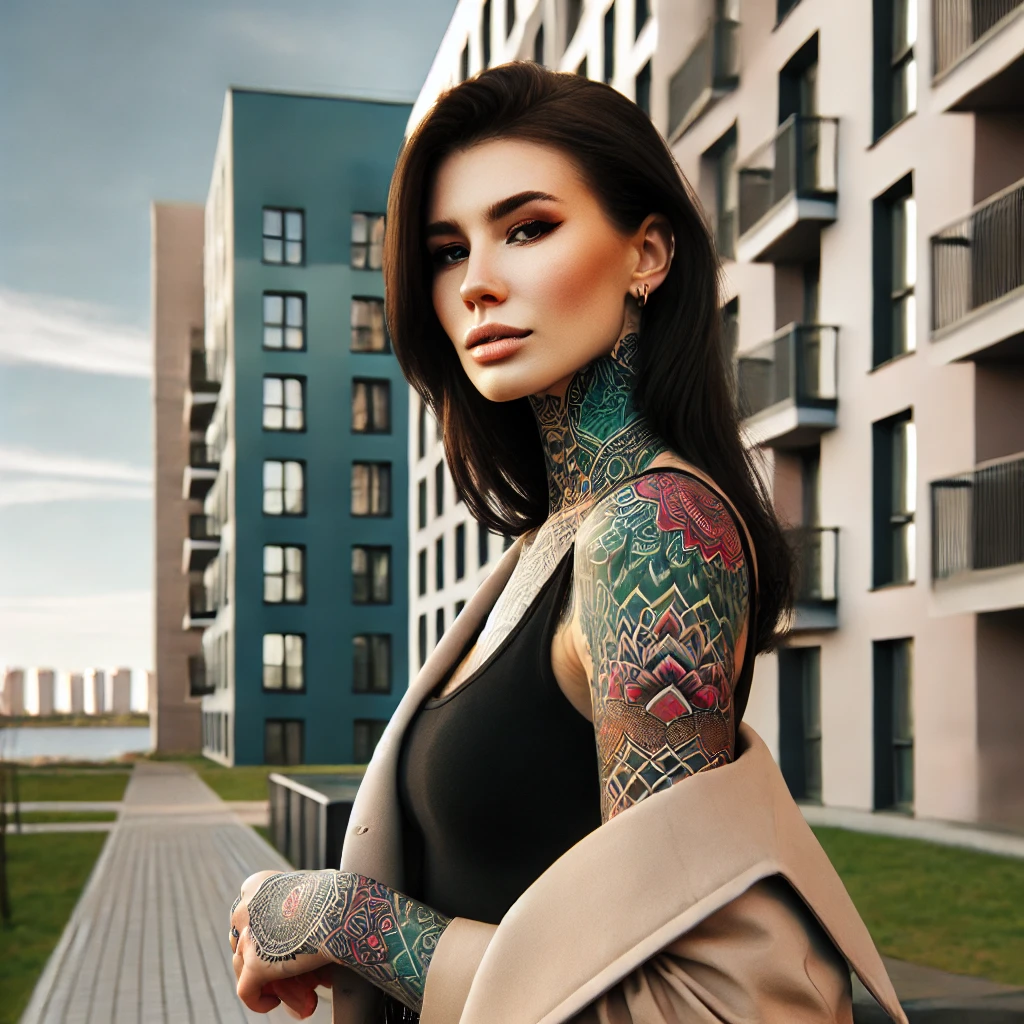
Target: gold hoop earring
point(641, 294)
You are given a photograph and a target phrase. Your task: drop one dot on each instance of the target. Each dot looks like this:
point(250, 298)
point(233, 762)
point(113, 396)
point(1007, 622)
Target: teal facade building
point(299, 414)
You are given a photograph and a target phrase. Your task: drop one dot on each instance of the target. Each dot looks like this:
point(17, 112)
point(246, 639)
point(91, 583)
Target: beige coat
point(651, 918)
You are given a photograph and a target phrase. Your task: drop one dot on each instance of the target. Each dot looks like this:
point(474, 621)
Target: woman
point(552, 294)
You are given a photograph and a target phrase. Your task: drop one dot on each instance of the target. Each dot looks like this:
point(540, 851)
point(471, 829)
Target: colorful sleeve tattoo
point(662, 593)
point(385, 936)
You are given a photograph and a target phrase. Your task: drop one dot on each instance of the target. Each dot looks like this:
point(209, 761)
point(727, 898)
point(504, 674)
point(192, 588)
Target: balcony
point(198, 684)
point(978, 282)
point(979, 54)
point(788, 192)
point(978, 538)
point(201, 611)
point(787, 387)
point(816, 551)
point(711, 70)
point(200, 472)
point(201, 394)
point(201, 545)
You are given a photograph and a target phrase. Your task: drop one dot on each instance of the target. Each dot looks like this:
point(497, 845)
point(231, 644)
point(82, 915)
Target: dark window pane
point(439, 563)
point(460, 551)
point(366, 733)
point(422, 638)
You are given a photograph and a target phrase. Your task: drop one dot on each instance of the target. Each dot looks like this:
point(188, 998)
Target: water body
point(78, 743)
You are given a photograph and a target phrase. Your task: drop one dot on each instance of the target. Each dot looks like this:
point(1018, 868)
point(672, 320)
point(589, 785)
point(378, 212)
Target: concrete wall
point(177, 310)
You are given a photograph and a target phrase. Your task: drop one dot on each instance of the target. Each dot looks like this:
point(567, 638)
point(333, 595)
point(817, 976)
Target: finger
point(297, 994)
point(255, 994)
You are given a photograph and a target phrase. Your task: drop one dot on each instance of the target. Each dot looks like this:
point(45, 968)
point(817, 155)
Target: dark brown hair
point(684, 385)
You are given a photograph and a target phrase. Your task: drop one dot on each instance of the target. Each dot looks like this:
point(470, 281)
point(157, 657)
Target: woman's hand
point(265, 980)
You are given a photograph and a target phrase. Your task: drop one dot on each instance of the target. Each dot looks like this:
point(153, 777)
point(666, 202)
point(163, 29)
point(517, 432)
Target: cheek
point(447, 301)
point(578, 279)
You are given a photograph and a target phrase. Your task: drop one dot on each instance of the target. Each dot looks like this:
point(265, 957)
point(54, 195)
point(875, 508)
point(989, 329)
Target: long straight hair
point(684, 382)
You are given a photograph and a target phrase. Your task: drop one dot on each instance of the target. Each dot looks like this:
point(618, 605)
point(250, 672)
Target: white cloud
point(71, 335)
point(29, 477)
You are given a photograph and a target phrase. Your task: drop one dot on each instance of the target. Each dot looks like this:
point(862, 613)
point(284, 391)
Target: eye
point(449, 255)
point(529, 231)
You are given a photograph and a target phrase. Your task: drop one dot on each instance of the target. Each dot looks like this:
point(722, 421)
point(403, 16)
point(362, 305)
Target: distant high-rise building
point(12, 699)
point(76, 686)
point(121, 691)
point(96, 685)
point(46, 681)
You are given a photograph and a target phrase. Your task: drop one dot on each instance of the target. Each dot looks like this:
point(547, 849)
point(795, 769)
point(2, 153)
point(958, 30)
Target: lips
point(492, 332)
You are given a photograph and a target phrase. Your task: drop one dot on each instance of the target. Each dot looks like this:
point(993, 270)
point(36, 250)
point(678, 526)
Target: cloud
point(29, 477)
point(69, 334)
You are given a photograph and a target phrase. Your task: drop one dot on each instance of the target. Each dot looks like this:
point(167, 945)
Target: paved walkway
point(147, 942)
point(250, 812)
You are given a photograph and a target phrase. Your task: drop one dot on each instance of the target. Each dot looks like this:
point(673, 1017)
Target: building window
point(722, 156)
point(439, 489)
point(283, 657)
point(460, 551)
point(438, 625)
point(284, 400)
point(464, 63)
point(895, 77)
point(800, 721)
point(609, 44)
point(284, 488)
point(284, 236)
point(284, 741)
point(421, 627)
point(783, 7)
point(641, 13)
point(643, 89)
point(439, 563)
point(894, 725)
point(510, 16)
point(485, 32)
point(371, 575)
point(284, 321)
point(895, 272)
point(371, 406)
point(371, 663)
point(371, 488)
point(894, 449)
point(366, 733)
point(421, 431)
point(573, 13)
point(368, 331)
point(538, 45)
point(284, 574)
point(482, 552)
point(421, 503)
point(459, 605)
point(421, 572)
point(367, 241)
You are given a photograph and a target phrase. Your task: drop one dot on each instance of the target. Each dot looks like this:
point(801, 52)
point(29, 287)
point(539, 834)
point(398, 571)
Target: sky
point(105, 106)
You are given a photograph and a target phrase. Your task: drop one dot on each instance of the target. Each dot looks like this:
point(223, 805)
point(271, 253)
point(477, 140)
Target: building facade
point(177, 326)
point(302, 543)
point(863, 168)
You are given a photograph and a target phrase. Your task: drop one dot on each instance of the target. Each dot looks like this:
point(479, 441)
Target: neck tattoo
point(594, 437)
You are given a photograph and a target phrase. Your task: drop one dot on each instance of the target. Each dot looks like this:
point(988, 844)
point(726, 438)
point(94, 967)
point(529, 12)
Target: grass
point(958, 910)
point(46, 874)
point(263, 831)
point(249, 782)
point(137, 719)
point(73, 782)
point(45, 817)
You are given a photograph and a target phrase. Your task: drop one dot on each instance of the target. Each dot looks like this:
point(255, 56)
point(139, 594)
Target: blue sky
point(107, 106)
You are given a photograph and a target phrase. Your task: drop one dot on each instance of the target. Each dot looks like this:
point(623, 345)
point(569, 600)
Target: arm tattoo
point(663, 595)
point(385, 936)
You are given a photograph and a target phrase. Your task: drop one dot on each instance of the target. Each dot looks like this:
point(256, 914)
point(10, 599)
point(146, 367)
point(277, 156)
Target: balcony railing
point(978, 259)
point(798, 365)
point(198, 379)
point(978, 519)
point(815, 550)
point(202, 527)
point(958, 24)
point(201, 456)
point(800, 160)
point(198, 685)
point(712, 68)
point(199, 604)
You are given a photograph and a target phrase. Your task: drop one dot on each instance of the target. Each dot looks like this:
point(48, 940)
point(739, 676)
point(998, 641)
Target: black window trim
point(285, 294)
point(284, 664)
point(391, 490)
point(284, 602)
point(301, 378)
point(305, 491)
point(301, 211)
point(369, 382)
point(370, 692)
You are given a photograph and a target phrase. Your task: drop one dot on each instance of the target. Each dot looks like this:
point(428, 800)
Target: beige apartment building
point(862, 164)
point(182, 398)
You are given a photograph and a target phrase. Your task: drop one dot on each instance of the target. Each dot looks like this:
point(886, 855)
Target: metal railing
point(202, 527)
point(712, 66)
point(198, 683)
point(199, 603)
point(201, 456)
point(978, 519)
point(801, 159)
point(958, 24)
point(798, 365)
point(978, 259)
point(309, 816)
point(816, 553)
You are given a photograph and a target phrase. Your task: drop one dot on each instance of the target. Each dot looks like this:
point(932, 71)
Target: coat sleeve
point(761, 957)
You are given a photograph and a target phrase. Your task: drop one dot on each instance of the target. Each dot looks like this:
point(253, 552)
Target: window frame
point(301, 723)
point(283, 326)
point(372, 465)
point(371, 670)
point(893, 670)
point(885, 294)
point(371, 550)
point(378, 303)
point(283, 575)
point(283, 237)
point(284, 513)
point(284, 666)
point(460, 551)
point(284, 377)
point(378, 724)
point(367, 247)
point(370, 383)
point(895, 528)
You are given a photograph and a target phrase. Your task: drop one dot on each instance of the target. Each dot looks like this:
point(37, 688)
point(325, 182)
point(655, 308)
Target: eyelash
point(546, 227)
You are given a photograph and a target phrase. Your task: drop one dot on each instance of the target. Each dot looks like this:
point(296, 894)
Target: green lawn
point(73, 783)
point(953, 909)
point(46, 873)
point(249, 782)
point(45, 817)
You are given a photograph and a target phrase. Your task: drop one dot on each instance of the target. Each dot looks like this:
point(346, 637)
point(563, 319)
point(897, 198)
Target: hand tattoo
point(385, 936)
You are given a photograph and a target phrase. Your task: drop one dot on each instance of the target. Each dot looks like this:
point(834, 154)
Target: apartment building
point(862, 165)
point(299, 424)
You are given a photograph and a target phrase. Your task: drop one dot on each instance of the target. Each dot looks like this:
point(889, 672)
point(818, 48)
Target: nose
point(481, 286)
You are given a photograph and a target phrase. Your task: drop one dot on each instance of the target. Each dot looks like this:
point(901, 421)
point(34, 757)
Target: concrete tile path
point(147, 942)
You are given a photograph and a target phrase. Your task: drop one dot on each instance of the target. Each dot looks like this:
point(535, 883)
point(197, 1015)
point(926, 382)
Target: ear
point(655, 247)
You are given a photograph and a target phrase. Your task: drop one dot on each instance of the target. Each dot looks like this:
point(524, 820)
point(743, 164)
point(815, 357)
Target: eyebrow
point(496, 211)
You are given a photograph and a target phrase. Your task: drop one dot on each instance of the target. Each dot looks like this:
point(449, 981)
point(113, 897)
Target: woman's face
point(520, 247)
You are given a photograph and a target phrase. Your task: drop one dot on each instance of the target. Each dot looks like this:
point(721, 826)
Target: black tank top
point(498, 779)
